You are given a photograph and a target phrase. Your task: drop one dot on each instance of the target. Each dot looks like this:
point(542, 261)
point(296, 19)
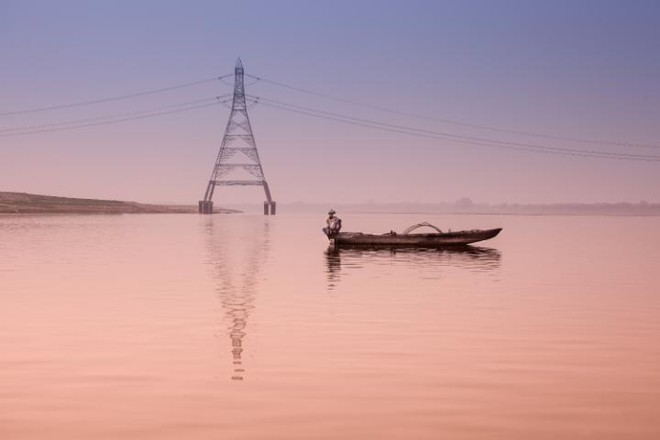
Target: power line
point(403, 129)
point(451, 136)
point(115, 119)
point(29, 128)
point(113, 98)
point(454, 138)
point(454, 122)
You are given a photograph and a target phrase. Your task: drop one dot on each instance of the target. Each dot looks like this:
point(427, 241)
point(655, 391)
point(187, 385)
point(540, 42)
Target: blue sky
point(572, 69)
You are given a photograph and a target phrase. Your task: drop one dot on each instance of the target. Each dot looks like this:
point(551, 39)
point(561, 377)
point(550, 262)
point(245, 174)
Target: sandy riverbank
point(23, 203)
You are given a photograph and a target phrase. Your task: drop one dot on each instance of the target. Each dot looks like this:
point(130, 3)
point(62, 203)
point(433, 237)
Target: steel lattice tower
point(238, 152)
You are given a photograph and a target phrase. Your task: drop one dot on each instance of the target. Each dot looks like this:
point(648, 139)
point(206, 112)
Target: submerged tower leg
point(205, 207)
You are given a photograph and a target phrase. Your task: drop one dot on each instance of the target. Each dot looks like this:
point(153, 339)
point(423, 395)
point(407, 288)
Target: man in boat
point(333, 224)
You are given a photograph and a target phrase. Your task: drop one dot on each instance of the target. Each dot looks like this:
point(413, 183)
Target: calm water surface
point(248, 327)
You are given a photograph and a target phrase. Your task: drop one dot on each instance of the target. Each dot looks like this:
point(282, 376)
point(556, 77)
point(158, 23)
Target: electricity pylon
point(238, 152)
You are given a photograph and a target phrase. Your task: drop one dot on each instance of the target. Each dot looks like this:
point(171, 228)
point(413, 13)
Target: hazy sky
point(569, 69)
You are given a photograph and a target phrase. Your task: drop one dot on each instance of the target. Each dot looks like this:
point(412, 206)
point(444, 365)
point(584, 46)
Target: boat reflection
point(471, 258)
point(333, 266)
point(238, 249)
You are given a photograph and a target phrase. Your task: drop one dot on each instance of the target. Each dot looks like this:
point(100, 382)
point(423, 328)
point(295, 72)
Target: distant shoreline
point(614, 209)
point(641, 209)
point(24, 203)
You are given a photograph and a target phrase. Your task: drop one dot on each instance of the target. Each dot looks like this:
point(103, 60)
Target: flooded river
point(249, 327)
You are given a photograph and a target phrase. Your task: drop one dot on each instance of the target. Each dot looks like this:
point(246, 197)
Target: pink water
point(247, 327)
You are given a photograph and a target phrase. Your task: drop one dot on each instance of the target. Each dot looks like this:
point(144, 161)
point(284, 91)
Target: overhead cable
point(455, 122)
point(29, 128)
point(107, 120)
point(452, 137)
point(114, 98)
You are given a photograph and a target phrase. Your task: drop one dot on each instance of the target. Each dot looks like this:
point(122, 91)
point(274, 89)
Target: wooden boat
point(406, 239)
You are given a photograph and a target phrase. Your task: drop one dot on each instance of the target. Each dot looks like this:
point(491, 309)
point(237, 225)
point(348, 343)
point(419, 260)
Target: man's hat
point(332, 211)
